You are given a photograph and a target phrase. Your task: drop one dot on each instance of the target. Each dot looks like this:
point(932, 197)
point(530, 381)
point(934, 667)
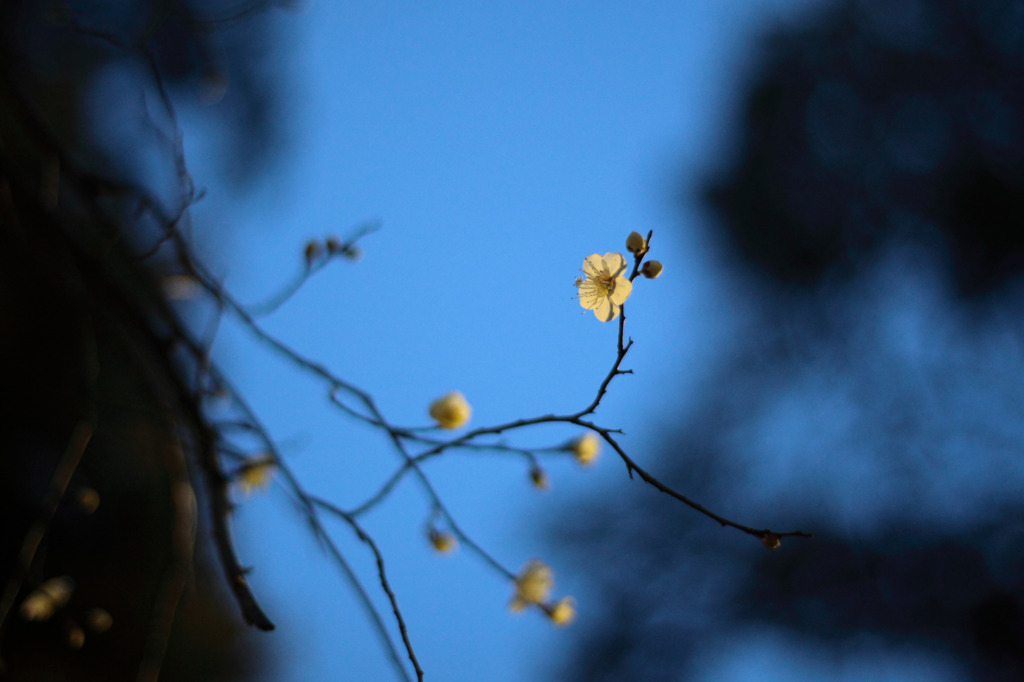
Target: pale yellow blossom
point(606, 287)
point(451, 411)
point(585, 448)
point(533, 585)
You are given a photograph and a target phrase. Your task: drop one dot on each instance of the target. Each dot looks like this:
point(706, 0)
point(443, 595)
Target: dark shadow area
point(104, 514)
point(874, 215)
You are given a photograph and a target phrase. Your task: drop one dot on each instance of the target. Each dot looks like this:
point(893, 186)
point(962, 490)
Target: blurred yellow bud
point(651, 269)
point(533, 585)
point(771, 540)
point(255, 475)
point(88, 500)
point(76, 637)
point(443, 541)
point(42, 602)
point(451, 411)
point(635, 243)
point(563, 611)
point(98, 620)
point(585, 448)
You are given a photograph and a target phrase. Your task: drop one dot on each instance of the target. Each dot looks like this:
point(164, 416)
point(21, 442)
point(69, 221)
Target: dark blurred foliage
point(874, 219)
point(885, 120)
point(90, 177)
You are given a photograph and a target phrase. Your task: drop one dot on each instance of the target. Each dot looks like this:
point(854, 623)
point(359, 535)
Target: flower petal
point(606, 311)
point(623, 288)
point(615, 263)
point(590, 295)
point(593, 265)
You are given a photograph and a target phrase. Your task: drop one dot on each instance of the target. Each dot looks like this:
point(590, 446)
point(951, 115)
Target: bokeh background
point(835, 189)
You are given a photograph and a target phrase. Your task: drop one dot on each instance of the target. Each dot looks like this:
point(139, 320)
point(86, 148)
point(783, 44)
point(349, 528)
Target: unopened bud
point(651, 269)
point(771, 540)
point(334, 245)
point(539, 478)
point(88, 500)
point(442, 541)
point(76, 637)
point(312, 252)
point(98, 620)
point(635, 243)
point(563, 611)
point(451, 410)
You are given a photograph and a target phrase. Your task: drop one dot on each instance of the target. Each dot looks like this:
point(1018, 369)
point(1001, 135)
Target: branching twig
point(385, 585)
point(212, 441)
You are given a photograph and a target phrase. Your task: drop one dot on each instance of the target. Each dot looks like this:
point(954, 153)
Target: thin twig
point(385, 585)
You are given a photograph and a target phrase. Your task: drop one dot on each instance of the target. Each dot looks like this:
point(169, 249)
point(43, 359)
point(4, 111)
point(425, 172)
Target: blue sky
point(498, 144)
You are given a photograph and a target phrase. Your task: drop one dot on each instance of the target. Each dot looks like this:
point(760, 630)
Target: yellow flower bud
point(563, 611)
point(635, 243)
point(88, 500)
point(451, 411)
point(585, 448)
point(76, 636)
point(255, 475)
point(98, 620)
point(771, 541)
point(442, 541)
point(651, 269)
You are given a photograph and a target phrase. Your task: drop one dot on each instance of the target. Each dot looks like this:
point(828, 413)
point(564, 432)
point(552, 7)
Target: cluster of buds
point(605, 285)
point(53, 595)
point(317, 250)
point(637, 245)
point(533, 587)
